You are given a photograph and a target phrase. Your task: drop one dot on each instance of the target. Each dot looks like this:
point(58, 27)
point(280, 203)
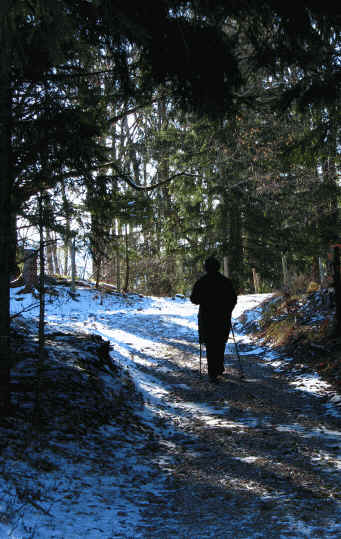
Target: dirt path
point(248, 460)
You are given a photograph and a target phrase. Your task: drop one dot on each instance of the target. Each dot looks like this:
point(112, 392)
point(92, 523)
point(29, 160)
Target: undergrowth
point(302, 326)
point(81, 389)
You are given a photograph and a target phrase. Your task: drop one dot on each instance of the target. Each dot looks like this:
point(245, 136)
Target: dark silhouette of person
point(216, 297)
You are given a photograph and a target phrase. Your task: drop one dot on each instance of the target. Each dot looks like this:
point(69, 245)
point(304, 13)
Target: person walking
point(216, 297)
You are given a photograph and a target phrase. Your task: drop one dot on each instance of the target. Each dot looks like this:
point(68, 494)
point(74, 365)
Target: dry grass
point(302, 325)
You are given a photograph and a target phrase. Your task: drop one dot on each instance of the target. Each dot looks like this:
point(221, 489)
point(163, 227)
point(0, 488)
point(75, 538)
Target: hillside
point(302, 327)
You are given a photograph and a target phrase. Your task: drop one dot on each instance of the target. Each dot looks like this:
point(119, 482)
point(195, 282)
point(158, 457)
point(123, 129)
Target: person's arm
point(195, 297)
point(232, 297)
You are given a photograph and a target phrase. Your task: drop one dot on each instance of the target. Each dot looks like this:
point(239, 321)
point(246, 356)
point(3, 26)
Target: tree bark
point(30, 269)
point(226, 266)
point(41, 358)
point(285, 271)
point(54, 253)
point(337, 287)
point(6, 184)
point(73, 265)
point(127, 274)
point(316, 269)
point(256, 281)
point(118, 231)
point(49, 254)
point(66, 209)
point(236, 242)
point(14, 269)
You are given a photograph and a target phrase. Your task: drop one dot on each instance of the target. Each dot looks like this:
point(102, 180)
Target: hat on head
point(211, 264)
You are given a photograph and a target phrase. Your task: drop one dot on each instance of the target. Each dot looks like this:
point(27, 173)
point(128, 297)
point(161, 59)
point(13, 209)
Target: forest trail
point(174, 456)
point(258, 458)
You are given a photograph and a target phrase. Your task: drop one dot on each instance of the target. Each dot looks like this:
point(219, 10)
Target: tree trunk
point(321, 271)
point(14, 269)
point(118, 270)
point(285, 271)
point(316, 269)
point(127, 275)
point(236, 242)
point(226, 266)
point(118, 232)
point(73, 265)
point(55, 255)
point(41, 358)
point(30, 269)
point(5, 214)
point(256, 281)
point(337, 287)
point(66, 259)
point(49, 254)
point(97, 275)
point(66, 209)
point(329, 219)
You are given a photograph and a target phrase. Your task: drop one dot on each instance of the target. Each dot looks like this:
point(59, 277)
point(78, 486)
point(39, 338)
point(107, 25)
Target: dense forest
point(136, 138)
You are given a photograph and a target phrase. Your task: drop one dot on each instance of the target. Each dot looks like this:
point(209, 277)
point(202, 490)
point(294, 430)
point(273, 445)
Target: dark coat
point(216, 298)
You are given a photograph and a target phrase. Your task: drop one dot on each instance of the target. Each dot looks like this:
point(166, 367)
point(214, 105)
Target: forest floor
point(133, 442)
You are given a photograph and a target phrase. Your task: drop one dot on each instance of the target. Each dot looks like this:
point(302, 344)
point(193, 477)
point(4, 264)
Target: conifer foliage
point(181, 101)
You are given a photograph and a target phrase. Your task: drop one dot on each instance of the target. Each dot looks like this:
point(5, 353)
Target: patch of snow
point(311, 383)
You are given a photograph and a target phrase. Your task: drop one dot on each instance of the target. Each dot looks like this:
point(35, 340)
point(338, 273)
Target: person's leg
point(215, 357)
point(210, 355)
point(220, 356)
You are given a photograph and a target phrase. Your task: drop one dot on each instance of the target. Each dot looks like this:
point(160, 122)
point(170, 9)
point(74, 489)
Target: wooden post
point(256, 282)
point(226, 266)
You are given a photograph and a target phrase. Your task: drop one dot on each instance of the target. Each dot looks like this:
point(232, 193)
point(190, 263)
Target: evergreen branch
point(65, 76)
point(126, 112)
point(130, 182)
point(155, 185)
point(26, 310)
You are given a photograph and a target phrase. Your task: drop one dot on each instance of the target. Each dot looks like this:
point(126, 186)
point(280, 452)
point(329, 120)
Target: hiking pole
point(238, 355)
point(200, 360)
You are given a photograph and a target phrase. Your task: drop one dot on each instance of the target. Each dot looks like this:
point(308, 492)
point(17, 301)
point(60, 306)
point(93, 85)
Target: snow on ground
point(74, 500)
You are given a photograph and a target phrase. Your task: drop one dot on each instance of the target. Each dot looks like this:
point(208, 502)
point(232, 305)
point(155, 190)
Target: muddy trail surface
point(245, 459)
